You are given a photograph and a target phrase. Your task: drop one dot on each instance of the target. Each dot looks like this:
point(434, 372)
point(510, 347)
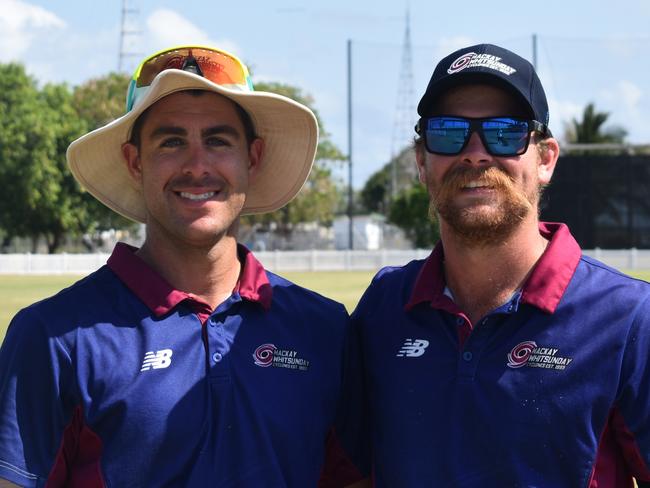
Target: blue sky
point(587, 51)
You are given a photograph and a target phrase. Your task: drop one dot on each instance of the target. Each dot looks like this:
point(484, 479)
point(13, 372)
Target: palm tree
point(590, 129)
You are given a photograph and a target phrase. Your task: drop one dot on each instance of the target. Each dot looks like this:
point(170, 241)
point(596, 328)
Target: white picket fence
point(316, 260)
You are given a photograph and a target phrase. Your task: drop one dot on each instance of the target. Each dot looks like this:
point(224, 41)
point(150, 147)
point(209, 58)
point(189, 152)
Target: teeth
point(195, 197)
point(475, 184)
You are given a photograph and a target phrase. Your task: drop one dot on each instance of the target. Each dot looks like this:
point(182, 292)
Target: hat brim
point(288, 128)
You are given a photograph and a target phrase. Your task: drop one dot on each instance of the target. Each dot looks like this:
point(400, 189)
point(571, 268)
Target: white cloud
point(166, 28)
point(20, 24)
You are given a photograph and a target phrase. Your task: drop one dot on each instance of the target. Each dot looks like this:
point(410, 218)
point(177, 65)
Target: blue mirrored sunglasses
point(501, 136)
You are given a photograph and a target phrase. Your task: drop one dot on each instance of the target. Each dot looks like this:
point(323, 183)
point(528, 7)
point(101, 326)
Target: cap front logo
point(473, 60)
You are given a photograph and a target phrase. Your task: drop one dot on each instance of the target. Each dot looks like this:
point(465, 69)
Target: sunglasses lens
point(505, 136)
point(216, 66)
point(446, 135)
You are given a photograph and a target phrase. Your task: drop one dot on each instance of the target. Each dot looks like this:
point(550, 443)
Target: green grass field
point(17, 292)
point(346, 287)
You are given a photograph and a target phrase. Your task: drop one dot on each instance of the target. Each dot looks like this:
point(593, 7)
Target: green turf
point(346, 287)
point(17, 292)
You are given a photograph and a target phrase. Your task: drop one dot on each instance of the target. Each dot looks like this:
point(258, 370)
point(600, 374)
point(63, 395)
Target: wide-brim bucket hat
point(288, 128)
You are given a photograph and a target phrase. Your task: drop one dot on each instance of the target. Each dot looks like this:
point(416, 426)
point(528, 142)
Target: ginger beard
point(481, 225)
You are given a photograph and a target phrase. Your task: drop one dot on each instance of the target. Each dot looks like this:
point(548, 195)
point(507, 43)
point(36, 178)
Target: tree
point(590, 129)
point(97, 102)
point(38, 125)
point(37, 128)
point(377, 192)
point(318, 199)
point(410, 212)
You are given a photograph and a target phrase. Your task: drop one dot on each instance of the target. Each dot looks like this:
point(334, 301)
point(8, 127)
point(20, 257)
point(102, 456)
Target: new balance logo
point(157, 360)
point(413, 348)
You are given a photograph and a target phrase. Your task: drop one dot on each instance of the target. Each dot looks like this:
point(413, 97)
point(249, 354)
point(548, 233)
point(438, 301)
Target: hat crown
point(488, 63)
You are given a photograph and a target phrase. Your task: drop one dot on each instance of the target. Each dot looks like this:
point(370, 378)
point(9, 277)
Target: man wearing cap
point(183, 362)
point(506, 358)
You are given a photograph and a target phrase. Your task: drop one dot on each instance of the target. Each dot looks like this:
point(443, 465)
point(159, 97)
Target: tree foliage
point(44, 201)
point(590, 129)
point(37, 128)
point(319, 198)
point(410, 212)
point(97, 102)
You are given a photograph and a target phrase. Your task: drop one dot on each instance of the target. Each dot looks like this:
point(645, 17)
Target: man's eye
point(172, 142)
point(217, 141)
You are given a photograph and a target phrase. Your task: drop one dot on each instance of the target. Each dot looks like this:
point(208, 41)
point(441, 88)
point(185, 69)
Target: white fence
point(317, 260)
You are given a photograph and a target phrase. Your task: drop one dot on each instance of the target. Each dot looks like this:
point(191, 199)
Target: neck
point(481, 278)
point(210, 273)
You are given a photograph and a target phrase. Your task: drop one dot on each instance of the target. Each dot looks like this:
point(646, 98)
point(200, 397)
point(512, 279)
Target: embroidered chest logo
point(268, 355)
point(157, 360)
point(413, 348)
point(529, 354)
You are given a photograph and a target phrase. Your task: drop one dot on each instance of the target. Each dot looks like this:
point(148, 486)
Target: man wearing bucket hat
point(184, 362)
point(506, 358)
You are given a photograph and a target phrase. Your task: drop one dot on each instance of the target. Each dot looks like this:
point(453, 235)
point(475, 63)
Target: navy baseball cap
point(487, 63)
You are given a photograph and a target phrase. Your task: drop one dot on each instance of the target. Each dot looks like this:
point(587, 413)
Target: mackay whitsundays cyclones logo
point(268, 355)
point(473, 60)
point(529, 354)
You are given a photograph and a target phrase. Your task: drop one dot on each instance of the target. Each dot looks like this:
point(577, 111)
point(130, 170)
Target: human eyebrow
point(221, 129)
point(168, 130)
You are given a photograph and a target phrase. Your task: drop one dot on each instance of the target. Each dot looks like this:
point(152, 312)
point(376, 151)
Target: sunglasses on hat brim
point(216, 65)
point(448, 135)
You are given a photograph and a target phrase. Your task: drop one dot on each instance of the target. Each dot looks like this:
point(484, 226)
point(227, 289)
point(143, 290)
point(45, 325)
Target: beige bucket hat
point(289, 130)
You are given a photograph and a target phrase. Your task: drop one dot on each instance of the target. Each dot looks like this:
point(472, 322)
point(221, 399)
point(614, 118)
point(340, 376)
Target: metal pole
point(535, 51)
point(350, 195)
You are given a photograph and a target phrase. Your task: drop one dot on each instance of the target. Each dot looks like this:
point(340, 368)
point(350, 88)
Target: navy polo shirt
point(123, 381)
point(552, 389)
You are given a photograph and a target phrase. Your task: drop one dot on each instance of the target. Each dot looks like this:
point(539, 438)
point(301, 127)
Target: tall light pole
point(350, 192)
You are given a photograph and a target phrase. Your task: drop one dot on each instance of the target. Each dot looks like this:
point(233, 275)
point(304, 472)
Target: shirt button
point(467, 356)
point(211, 322)
point(216, 357)
point(460, 321)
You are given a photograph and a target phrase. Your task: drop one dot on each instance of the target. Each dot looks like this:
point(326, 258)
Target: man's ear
point(420, 161)
point(131, 156)
point(255, 156)
point(548, 156)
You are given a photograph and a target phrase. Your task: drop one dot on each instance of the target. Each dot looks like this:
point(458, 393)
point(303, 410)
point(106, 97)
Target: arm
point(31, 419)
point(9, 484)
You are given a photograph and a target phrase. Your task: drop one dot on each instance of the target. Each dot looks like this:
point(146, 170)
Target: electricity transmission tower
point(129, 35)
point(405, 108)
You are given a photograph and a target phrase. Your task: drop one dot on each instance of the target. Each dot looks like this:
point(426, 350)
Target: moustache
point(190, 181)
point(461, 176)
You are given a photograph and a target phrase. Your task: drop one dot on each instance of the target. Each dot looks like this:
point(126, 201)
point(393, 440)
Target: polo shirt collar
point(155, 292)
point(543, 288)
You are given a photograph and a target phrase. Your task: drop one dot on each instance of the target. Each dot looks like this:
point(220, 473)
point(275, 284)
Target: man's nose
point(475, 152)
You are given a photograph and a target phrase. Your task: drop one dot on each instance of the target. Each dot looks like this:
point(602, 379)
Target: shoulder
point(288, 292)
point(81, 298)
point(597, 275)
point(391, 286)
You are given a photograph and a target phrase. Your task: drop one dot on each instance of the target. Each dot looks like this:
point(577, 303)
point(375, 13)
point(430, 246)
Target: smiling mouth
point(196, 197)
point(476, 184)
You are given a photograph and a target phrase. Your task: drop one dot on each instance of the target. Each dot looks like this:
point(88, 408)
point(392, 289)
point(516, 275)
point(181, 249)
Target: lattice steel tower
point(129, 36)
point(405, 108)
